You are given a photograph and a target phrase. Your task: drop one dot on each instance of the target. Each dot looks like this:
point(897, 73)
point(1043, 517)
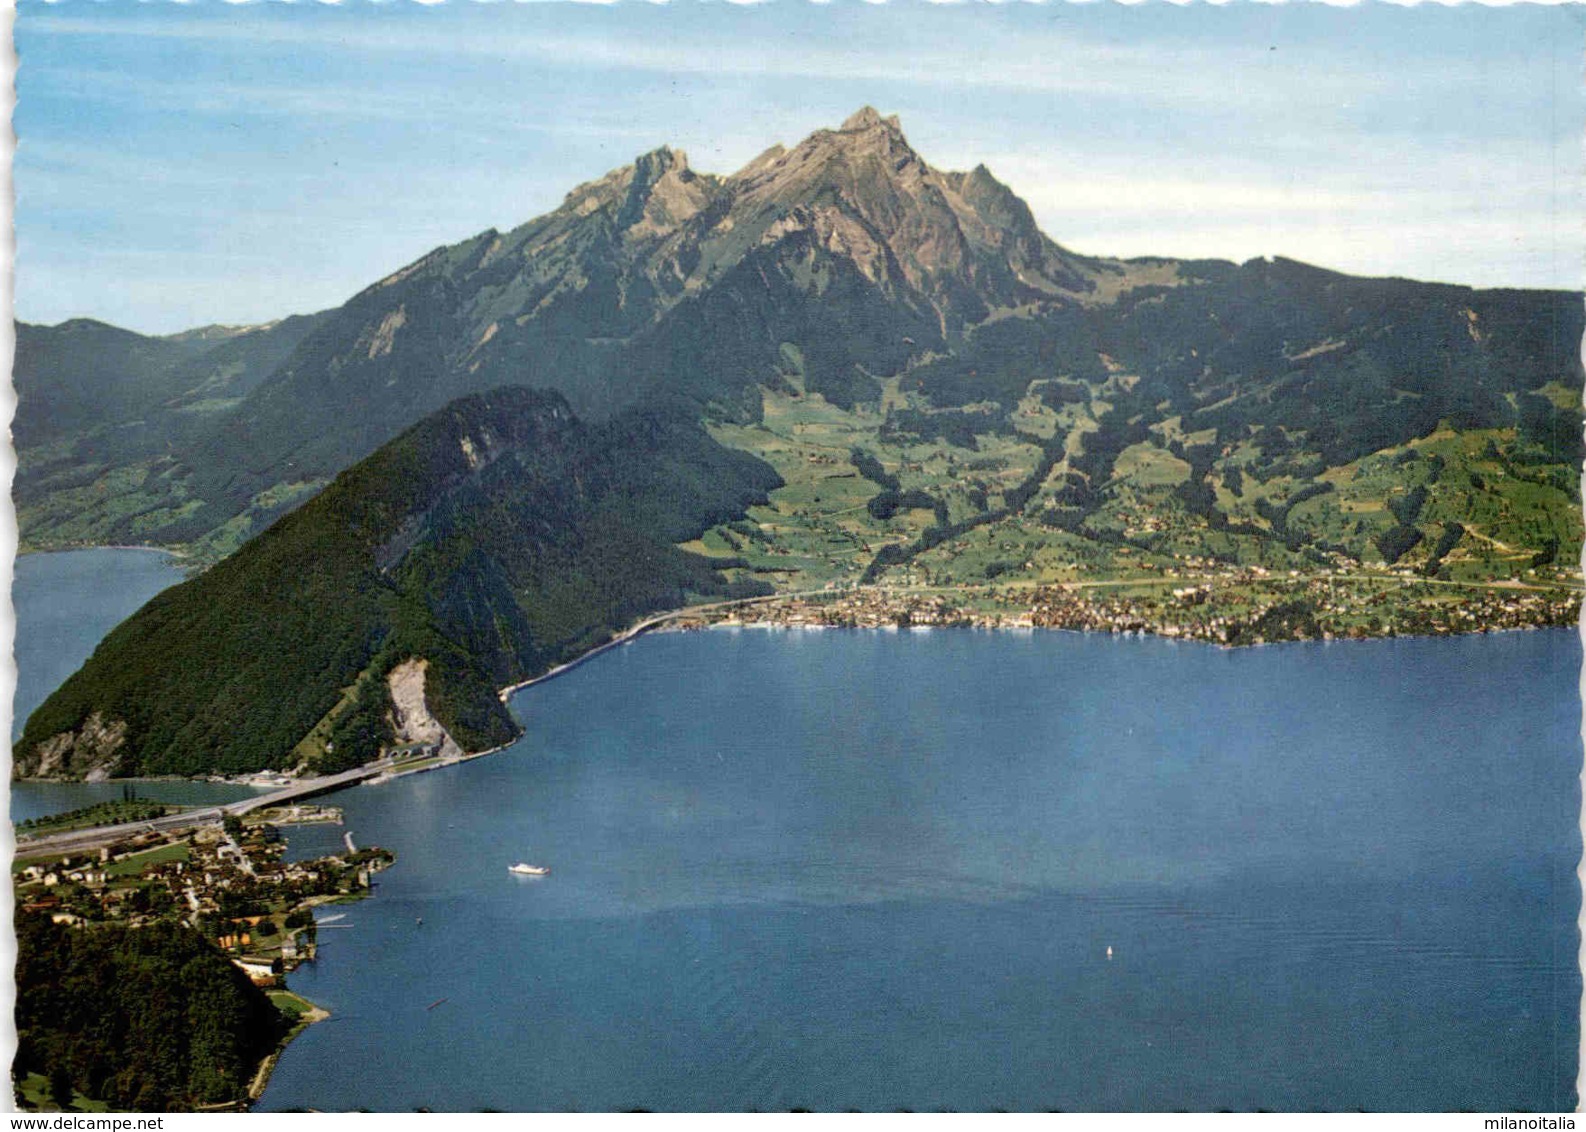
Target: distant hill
point(81, 375)
point(105, 417)
point(494, 539)
point(84, 373)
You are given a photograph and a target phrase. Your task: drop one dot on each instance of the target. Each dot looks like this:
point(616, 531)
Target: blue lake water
point(65, 604)
point(882, 870)
point(40, 799)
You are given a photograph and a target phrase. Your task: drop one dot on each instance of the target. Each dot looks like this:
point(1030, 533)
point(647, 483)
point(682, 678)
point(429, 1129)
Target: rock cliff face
point(91, 750)
point(411, 721)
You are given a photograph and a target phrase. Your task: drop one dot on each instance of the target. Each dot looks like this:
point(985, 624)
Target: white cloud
point(998, 57)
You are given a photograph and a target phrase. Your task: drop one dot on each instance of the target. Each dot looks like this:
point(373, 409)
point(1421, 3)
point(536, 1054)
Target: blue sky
point(184, 164)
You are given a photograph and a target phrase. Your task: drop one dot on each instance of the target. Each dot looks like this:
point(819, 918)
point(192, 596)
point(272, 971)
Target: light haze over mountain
point(191, 166)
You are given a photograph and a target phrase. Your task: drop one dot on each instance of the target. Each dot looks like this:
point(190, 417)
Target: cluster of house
point(1211, 612)
point(1219, 608)
point(82, 874)
point(90, 873)
point(873, 608)
point(264, 967)
point(219, 877)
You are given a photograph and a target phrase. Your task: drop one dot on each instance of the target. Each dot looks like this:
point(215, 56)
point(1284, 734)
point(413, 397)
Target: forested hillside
point(149, 1018)
point(493, 540)
point(105, 416)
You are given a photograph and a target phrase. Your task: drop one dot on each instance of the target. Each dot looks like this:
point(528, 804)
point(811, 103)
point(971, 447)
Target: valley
point(1495, 542)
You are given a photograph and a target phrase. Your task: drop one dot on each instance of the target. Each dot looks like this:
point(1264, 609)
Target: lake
point(883, 870)
point(65, 604)
point(879, 870)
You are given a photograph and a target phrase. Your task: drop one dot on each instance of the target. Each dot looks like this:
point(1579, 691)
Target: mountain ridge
point(835, 366)
point(577, 299)
point(842, 262)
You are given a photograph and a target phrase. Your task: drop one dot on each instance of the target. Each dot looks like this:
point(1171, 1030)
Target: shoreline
point(24, 553)
point(803, 605)
point(639, 629)
point(1235, 611)
point(219, 858)
point(261, 1077)
point(1122, 634)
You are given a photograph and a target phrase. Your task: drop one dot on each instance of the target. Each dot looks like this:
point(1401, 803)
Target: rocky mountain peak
point(651, 167)
point(628, 186)
point(869, 118)
point(959, 240)
point(642, 267)
point(662, 194)
point(868, 133)
point(868, 155)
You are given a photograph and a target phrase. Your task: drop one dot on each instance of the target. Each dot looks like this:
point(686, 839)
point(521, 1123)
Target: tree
point(61, 1091)
point(146, 1018)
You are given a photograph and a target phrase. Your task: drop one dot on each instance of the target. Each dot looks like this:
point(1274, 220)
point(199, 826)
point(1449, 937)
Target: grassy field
point(1491, 515)
point(134, 863)
point(819, 528)
point(294, 1006)
point(133, 503)
point(33, 1094)
point(101, 813)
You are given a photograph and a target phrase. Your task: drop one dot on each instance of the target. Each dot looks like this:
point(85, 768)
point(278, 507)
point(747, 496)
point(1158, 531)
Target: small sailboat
point(528, 870)
point(1109, 951)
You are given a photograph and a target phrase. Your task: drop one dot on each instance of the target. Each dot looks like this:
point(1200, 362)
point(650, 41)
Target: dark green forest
point(495, 539)
point(150, 1019)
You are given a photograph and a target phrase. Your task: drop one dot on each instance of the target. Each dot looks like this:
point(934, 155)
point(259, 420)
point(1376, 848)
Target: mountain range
point(831, 303)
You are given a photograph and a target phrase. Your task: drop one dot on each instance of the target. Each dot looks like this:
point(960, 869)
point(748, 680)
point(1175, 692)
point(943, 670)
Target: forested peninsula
point(493, 540)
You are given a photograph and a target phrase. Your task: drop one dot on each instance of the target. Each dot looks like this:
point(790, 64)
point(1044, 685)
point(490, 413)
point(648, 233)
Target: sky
point(187, 164)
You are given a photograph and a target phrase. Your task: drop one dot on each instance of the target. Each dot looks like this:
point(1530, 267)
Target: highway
point(649, 623)
point(81, 840)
